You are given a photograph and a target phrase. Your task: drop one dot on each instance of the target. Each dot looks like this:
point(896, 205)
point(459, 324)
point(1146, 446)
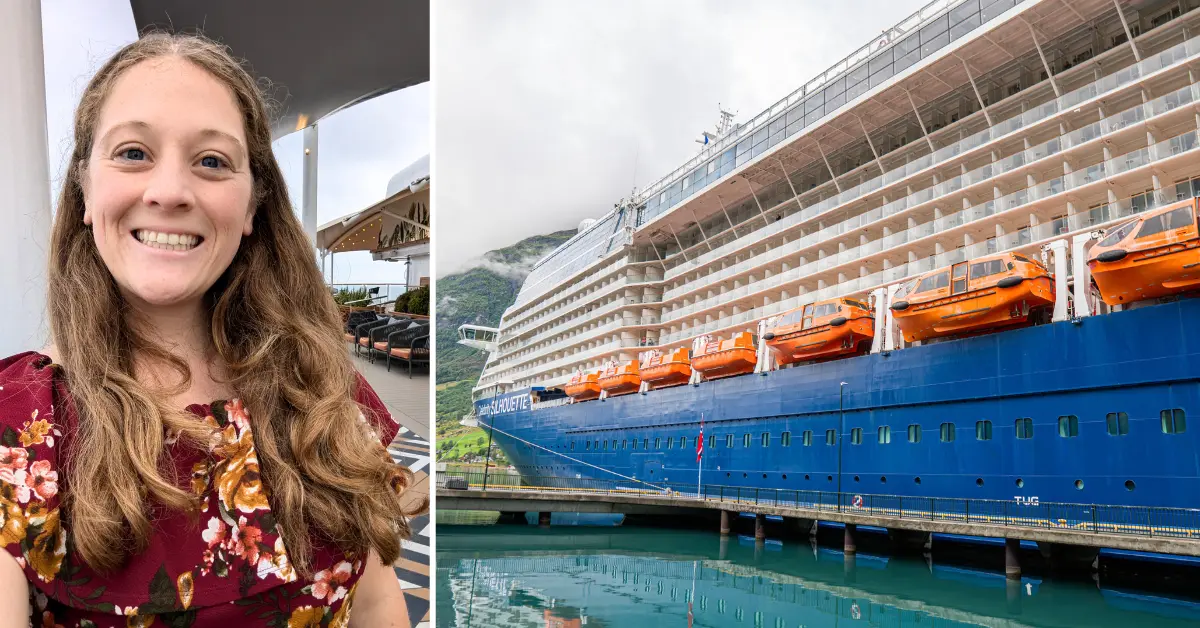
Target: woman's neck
point(184, 331)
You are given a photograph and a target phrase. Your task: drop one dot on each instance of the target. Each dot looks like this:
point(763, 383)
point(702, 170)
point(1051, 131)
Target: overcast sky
point(360, 147)
point(549, 112)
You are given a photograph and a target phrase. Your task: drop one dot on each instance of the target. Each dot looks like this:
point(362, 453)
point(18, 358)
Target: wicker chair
point(353, 320)
point(416, 353)
point(376, 340)
point(362, 333)
point(398, 344)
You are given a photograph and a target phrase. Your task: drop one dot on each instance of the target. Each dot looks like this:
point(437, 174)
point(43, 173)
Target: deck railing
point(1146, 521)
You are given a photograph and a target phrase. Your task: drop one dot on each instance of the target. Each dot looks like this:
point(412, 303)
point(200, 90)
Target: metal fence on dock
point(1098, 518)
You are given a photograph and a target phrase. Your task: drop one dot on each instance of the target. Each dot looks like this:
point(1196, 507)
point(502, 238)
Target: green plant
point(346, 295)
point(401, 303)
point(418, 301)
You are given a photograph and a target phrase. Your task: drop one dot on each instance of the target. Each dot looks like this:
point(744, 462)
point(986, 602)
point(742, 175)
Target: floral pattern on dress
point(232, 569)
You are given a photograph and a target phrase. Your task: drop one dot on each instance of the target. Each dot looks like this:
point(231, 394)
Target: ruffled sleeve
point(375, 412)
point(30, 439)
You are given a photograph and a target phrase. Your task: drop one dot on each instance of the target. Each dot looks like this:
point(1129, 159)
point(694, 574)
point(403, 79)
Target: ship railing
point(1147, 521)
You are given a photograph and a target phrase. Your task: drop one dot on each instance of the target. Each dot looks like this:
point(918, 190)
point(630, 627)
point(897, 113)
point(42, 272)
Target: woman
point(180, 275)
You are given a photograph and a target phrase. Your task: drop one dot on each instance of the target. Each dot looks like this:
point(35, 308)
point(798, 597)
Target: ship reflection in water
point(515, 576)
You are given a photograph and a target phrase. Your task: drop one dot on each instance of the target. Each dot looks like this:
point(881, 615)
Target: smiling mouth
point(167, 241)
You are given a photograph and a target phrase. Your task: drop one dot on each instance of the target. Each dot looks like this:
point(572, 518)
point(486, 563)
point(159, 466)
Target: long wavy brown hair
point(274, 328)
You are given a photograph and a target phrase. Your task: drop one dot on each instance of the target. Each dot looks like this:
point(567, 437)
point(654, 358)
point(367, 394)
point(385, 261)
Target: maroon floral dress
point(230, 569)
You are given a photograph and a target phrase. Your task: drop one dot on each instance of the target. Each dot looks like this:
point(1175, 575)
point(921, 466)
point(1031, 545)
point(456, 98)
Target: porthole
point(744, 475)
point(829, 478)
point(1079, 484)
point(856, 478)
point(764, 476)
point(978, 481)
point(806, 477)
point(883, 479)
point(1129, 485)
point(1020, 483)
point(785, 476)
point(727, 474)
point(917, 480)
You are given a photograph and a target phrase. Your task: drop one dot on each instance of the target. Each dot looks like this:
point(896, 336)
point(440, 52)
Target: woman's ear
point(248, 228)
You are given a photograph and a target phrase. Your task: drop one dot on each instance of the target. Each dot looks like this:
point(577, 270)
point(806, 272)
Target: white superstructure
point(972, 127)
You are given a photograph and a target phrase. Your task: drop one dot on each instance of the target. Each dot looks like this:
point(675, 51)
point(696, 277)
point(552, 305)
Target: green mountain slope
point(477, 296)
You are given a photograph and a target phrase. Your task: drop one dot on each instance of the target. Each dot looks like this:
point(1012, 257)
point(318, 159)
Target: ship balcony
point(1067, 109)
point(577, 324)
point(602, 270)
point(1133, 171)
point(577, 308)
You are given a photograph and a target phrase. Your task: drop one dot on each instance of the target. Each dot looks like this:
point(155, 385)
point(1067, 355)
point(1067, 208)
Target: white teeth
point(167, 241)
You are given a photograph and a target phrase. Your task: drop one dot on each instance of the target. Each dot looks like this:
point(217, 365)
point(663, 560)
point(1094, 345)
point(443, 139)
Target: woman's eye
point(133, 154)
point(211, 162)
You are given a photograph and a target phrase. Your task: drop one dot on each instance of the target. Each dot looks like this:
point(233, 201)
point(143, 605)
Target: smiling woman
point(181, 276)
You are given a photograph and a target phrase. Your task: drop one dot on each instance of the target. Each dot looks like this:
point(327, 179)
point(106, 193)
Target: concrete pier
point(848, 544)
point(725, 522)
point(1012, 559)
point(760, 527)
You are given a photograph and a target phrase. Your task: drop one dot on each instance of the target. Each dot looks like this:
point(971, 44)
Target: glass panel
point(1175, 219)
point(785, 439)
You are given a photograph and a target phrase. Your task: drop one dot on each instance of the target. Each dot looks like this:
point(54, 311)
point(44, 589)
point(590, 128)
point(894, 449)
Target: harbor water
point(569, 576)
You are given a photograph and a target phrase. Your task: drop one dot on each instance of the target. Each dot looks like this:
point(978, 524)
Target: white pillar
point(24, 177)
point(308, 210)
point(1059, 249)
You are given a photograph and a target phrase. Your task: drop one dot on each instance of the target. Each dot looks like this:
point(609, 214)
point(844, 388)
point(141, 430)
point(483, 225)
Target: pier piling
point(725, 522)
point(1012, 559)
point(848, 545)
point(760, 527)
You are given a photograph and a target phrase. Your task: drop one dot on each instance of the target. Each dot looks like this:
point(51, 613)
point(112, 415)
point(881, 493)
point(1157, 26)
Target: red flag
point(700, 442)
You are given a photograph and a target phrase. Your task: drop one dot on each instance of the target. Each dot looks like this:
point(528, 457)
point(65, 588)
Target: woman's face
point(167, 188)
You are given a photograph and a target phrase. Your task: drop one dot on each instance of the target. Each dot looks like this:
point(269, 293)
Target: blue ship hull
point(1140, 363)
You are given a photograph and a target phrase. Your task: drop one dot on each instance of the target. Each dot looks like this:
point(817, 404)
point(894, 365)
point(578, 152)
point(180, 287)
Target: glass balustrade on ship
point(1172, 56)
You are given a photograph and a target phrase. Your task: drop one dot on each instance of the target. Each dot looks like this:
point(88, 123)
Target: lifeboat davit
point(972, 297)
point(825, 329)
point(726, 358)
point(620, 379)
point(672, 369)
point(1155, 255)
point(583, 386)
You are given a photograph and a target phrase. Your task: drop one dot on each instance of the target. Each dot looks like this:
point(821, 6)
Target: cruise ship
point(958, 263)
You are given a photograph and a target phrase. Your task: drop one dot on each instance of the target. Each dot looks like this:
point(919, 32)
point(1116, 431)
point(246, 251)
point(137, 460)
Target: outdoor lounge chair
point(376, 340)
point(362, 333)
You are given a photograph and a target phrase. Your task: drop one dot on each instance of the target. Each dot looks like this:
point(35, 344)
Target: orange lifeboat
point(583, 386)
point(620, 379)
point(1154, 255)
point(726, 358)
point(972, 297)
point(672, 369)
point(826, 329)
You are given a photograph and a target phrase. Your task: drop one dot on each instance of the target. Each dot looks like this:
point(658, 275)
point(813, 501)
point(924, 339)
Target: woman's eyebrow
point(144, 126)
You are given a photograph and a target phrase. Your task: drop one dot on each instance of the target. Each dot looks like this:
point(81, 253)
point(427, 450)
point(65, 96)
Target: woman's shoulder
point(26, 385)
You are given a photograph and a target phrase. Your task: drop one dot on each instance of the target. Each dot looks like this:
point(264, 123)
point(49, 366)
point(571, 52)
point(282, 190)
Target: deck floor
point(408, 401)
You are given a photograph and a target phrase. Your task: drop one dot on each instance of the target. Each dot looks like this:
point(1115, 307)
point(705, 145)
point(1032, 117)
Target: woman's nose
point(170, 186)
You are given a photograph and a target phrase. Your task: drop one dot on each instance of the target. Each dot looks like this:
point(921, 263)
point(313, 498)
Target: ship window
point(1173, 421)
point(1117, 422)
point(807, 438)
point(658, 443)
point(856, 436)
point(745, 440)
point(589, 446)
point(946, 433)
point(934, 282)
point(766, 439)
point(683, 442)
point(983, 430)
point(1174, 219)
point(712, 441)
point(623, 443)
point(572, 445)
point(857, 304)
point(914, 433)
point(670, 443)
point(729, 441)
point(959, 273)
point(1068, 426)
point(606, 445)
point(633, 445)
point(1024, 428)
point(614, 444)
point(645, 443)
point(987, 269)
point(830, 437)
point(885, 434)
point(1117, 234)
point(785, 439)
